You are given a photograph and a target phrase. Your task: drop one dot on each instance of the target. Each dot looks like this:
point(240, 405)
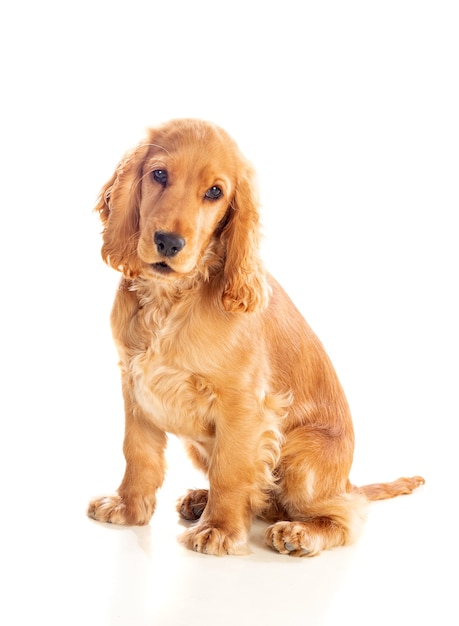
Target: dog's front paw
point(210, 540)
point(191, 506)
point(114, 509)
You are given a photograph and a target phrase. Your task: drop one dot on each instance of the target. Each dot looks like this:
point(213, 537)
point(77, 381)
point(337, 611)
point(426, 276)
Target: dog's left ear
point(118, 207)
point(245, 285)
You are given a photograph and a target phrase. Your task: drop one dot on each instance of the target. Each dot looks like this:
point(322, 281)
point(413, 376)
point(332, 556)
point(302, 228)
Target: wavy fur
point(213, 350)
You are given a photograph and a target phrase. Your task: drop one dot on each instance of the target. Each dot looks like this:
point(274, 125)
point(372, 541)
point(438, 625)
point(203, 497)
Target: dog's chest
point(166, 383)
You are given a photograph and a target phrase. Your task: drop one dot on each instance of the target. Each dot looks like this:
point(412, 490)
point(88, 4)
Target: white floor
point(62, 568)
point(349, 113)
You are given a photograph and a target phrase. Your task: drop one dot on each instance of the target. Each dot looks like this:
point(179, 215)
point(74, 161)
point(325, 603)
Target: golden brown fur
point(213, 350)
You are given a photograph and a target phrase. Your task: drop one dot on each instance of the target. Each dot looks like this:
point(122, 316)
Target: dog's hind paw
point(294, 539)
point(191, 506)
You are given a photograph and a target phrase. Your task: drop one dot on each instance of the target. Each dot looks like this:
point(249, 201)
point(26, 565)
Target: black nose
point(168, 244)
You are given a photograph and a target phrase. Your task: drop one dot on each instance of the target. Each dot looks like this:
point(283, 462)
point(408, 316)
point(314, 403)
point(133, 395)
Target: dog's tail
point(384, 491)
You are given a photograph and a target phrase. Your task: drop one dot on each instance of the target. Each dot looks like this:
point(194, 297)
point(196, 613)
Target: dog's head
point(183, 203)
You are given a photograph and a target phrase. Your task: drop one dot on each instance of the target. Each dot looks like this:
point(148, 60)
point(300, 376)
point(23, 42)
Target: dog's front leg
point(223, 526)
point(144, 444)
point(239, 475)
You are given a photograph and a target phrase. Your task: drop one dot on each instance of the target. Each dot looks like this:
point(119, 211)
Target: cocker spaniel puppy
point(212, 350)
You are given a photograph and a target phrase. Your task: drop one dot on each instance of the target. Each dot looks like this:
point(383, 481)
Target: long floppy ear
point(245, 285)
point(118, 207)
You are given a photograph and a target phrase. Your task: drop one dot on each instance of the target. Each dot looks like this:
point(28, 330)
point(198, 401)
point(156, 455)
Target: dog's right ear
point(246, 288)
point(118, 207)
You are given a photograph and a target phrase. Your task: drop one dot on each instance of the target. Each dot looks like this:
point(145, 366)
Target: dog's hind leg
point(322, 510)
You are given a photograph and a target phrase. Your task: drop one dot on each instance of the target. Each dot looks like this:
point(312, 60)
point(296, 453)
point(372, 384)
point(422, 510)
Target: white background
point(349, 112)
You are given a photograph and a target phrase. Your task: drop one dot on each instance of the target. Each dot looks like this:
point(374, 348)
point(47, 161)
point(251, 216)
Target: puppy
point(213, 350)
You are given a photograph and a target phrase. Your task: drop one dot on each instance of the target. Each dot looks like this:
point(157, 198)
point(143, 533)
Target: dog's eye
point(213, 193)
point(160, 176)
